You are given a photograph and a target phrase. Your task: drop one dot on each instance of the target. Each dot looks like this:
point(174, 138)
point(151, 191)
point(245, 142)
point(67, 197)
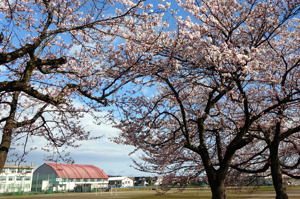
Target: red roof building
point(68, 177)
point(77, 171)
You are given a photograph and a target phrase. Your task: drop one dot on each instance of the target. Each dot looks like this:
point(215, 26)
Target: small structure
point(291, 181)
point(120, 182)
point(158, 180)
point(142, 181)
point(16, 179)
point(68, 177)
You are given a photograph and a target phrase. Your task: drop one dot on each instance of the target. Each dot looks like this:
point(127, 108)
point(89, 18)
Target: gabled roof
point(77, 171)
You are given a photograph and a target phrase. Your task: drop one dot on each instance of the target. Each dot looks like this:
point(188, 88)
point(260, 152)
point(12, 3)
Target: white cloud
point(113, 158)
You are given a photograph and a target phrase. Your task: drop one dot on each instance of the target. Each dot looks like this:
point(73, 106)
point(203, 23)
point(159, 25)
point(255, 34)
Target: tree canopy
point(58, 62)
point(216, 90)
point(229, 72)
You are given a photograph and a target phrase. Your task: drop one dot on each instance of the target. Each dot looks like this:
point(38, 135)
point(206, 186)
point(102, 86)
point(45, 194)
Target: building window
point(27, 178)
point(27, 186)
point(10, 178)
point(19, 178)
point(2, 178)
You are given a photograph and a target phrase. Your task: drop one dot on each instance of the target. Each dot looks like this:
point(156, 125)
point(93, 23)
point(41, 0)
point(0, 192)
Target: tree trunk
point(8, 129)
point(216, 181)
point(5, 142)
point(276, 172)
point(218, 190)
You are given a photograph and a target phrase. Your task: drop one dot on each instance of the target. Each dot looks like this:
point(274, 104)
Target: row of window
point(15, 186)
point(82, 180)
point(13, 178)
point(16, 170)
point(119, 182)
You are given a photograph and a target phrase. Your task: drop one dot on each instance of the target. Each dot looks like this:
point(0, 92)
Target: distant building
point(16, 179)
point(291, 181)
point(144, 181)
point(158, 180)
point(68, 177)
point(120, 182)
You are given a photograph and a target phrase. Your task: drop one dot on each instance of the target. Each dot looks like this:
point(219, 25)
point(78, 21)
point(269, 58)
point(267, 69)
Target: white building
point(158, 181)
point(16, 179)
point(120, 182)
point(68, 177)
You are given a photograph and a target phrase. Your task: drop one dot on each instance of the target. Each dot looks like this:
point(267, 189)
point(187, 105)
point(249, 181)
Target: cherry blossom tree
point(203, 88)
point(276, 147)
point(282, 138)
point(275, 150)
point(60, 59)
point(277, 133)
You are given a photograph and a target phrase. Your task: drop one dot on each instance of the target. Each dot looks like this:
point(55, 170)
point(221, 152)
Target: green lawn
point(255, 193)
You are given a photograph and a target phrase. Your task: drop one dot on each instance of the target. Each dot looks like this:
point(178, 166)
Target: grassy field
point(256, 193)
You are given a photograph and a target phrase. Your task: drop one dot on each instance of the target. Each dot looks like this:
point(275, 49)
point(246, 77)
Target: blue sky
point(113, 158)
